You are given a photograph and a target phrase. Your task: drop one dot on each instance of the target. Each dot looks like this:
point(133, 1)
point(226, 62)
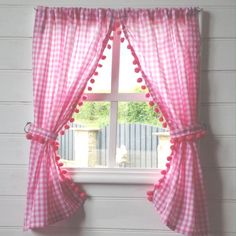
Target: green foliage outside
point(96, 114)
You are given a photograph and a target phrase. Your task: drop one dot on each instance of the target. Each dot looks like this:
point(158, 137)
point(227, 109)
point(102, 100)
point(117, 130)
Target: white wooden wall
point(119, 210)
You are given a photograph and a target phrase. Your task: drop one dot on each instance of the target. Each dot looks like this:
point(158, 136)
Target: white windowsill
point(114, 176)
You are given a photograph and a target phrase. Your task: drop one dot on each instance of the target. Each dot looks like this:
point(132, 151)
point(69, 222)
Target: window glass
point(85, 144)
point(137, 139)
point(127, 76)
point(101, 83)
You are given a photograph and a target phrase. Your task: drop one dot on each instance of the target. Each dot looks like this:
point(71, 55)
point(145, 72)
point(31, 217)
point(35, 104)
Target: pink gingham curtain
point(67, 45)
point(166, 44)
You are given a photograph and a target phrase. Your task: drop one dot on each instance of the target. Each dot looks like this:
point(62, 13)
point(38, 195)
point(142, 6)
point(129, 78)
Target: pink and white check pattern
point(166, 43)
point(67, 45)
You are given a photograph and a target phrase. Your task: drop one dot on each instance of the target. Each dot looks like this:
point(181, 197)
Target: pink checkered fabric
point(67, 45)
point(166, 44)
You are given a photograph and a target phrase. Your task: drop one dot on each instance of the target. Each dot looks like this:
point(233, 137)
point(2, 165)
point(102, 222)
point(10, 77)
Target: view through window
point(116, 127)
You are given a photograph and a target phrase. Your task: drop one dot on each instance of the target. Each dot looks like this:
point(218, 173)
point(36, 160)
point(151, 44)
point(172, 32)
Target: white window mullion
point(114, 104)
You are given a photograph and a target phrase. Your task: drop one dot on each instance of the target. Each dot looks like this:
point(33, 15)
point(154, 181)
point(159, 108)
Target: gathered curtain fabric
point(167, 45)
point(67, 46)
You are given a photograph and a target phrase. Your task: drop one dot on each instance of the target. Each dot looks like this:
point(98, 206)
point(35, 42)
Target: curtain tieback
point(189, 134)
point(39, 134)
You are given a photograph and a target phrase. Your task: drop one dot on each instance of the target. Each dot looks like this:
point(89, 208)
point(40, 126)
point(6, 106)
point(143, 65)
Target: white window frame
point(118, 175)
point(111, 174)
point(114, 97)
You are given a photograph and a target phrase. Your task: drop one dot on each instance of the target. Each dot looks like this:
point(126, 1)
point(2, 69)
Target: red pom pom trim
point(164, 125)
point(139, 80)
point(66, 126)
point(29, 136)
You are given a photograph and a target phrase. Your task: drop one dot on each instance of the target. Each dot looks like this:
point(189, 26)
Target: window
point(116, 127)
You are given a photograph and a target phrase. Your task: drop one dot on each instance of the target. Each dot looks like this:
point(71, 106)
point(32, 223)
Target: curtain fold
point(67, 45)
point(166, 44)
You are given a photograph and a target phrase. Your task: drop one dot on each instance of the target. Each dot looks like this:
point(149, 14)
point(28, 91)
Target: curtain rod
point(198, 8)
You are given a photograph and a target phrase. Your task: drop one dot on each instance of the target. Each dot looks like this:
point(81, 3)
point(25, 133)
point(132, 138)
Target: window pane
point(138, 136)
point(127, 76)
point(86, 143)
point(102, 82)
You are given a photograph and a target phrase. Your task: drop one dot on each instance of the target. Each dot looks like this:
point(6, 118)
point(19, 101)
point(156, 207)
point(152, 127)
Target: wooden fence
point(137, 140)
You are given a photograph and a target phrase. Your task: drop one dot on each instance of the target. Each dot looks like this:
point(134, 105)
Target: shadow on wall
point(69, 227)
point(208, 146)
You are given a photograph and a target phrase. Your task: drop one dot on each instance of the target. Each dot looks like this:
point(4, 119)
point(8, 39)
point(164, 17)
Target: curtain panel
point(68, 45)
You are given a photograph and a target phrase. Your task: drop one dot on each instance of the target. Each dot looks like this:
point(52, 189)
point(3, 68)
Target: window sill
point(115, 176)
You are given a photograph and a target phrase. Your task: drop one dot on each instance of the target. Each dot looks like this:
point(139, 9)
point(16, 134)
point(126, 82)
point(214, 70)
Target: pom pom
point(83, 195)
point(56, 143)
point(60, 164)
point(169, 158)
point(136, 70)
point(168, 165)
point(92, 81)
point(139, 80)
point(111, 37)
point(100, 65)
point(103, 57)
point(143, 87)
point(151, 103)
point(72, 119)
point(164, 125)
point(163, 172)
point(149, 193)
point(157, 110)
point(150, 198)
point(147, 95)
point(64, 172)
point(90, 88)
point(85, 97)
point(108, 46)
point(80, 104)
point(129, 47)
point(158, 186)
point(66, 126)
point(119, 32)
point(161, 119)
point(62, 132)
point(122, 40)
point(95, 73)
point(76, 110)
point(135, 62)
point(29, 136)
